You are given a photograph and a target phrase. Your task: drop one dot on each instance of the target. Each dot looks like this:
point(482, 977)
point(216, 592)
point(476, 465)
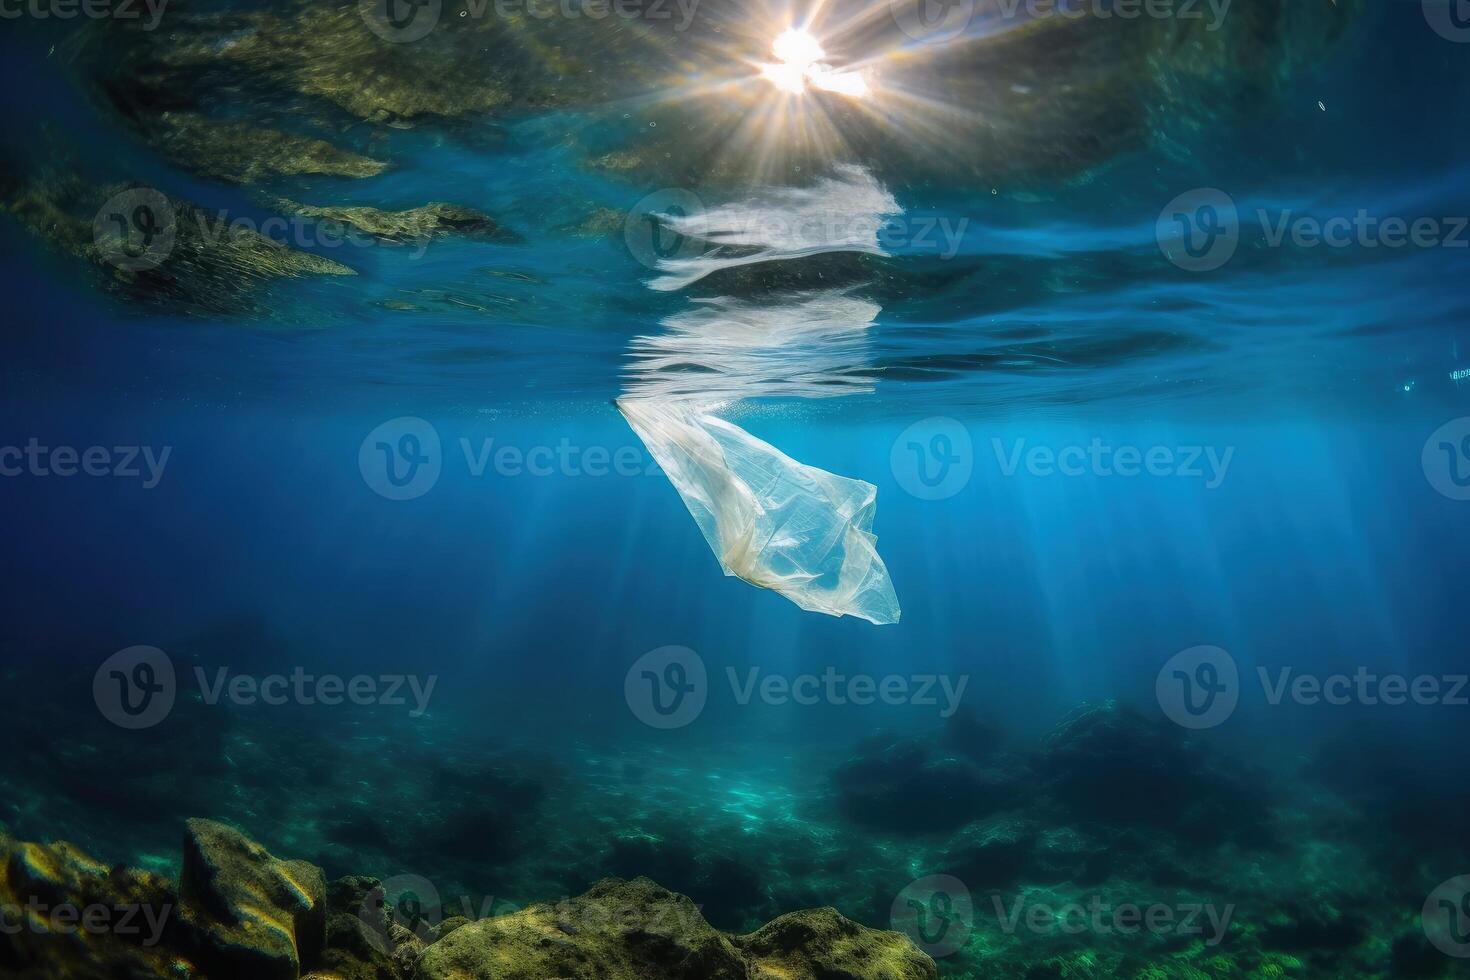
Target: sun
point(800, 64)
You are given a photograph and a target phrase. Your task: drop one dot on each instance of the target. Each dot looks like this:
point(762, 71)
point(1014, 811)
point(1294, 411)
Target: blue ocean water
point(1093, 451)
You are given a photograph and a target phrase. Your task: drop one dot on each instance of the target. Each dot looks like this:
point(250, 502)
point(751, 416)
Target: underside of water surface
point(702, 489)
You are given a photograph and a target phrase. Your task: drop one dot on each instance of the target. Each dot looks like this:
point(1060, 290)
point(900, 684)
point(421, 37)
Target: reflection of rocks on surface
point(207, 265)
point(414, 224)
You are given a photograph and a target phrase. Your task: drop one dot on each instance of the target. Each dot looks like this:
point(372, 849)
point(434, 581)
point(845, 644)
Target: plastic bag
point(770, 520)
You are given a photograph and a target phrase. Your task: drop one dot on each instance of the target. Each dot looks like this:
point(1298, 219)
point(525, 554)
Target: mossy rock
point(252, 916)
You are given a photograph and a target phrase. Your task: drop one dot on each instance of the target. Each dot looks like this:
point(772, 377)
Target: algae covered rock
point(66, 914)
point(619, 930)
point(637, 930)
point(911, 784)
point(254, 917)
point(820, 944)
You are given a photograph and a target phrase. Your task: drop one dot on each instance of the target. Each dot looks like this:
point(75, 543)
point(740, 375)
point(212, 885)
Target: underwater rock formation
point(254, 916)
point(916, 784)
point(239, 913)
point(635, 930)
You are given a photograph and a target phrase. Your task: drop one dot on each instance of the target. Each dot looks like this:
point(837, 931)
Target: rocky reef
point(239, 913)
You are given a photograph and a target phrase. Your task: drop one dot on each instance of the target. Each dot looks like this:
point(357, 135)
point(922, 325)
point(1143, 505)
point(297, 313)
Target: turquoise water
point(1093, 447)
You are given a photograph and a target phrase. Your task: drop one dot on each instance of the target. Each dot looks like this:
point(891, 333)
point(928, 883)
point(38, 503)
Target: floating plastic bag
point(770, 520)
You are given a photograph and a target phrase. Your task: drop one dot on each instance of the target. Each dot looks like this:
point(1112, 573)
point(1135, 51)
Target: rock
point(1414, 956)
point(415, 224)
point(906, 784)
point(1314, 924)
point(83, 919)
point(637, 930)
point(357, 944)
point(253, 917)
point(619, 930)
point(820, 944)
point(1108, 764)
point(992, 852)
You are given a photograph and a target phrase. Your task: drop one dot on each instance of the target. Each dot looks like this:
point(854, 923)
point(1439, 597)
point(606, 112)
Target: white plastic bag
point(770, 520)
